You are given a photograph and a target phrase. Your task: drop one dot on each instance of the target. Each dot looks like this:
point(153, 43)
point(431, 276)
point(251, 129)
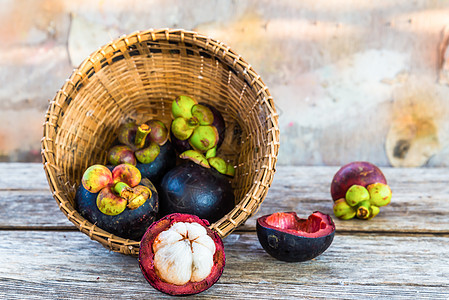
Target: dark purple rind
point(164, 162)
point(179, 145)
point(289, 247)
point(192, 189)
point(360, 173)
point(130, 224)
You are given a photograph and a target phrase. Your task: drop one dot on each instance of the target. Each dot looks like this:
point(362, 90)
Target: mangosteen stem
point(135, 196)
point(141, 134)
point(123, 190)
point(363, 210)
point(193, 122)
point(374, 211)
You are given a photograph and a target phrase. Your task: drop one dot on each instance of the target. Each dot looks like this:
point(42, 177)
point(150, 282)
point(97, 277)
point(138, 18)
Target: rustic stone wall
point(352, 80)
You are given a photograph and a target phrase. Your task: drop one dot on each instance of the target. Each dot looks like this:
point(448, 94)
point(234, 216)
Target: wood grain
point(31, 209)
point(22, 176)
point(400, 254)
point(67, 265)
point(420, 199)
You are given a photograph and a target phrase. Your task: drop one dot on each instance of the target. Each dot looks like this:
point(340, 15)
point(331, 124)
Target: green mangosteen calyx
point(193, 122)
point(356, 194)
point(343, 210)
point(362, 202)
point(117, 189)
point(358, 189)
point(214, 162)
point(138, 143)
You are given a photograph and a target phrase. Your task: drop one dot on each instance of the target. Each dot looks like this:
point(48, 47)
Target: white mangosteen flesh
point(183, 253)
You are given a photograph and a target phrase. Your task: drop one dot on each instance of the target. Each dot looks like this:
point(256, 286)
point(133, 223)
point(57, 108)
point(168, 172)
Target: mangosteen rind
point(218, 122)
point(165, 161)
point(147, 256)
point(355, 173)
point(154, 156)
point(351, 183)
point(292, 248)
point(192, 189)
point(130, 224)
point(291, 245)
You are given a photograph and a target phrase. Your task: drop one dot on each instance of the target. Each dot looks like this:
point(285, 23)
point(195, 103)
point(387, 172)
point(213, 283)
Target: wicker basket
point(137, 77)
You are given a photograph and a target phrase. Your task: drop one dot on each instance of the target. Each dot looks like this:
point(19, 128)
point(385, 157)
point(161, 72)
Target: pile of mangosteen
point(164, 185)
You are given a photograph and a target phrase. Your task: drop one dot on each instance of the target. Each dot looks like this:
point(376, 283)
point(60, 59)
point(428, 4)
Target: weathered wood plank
point(23, 176)
point(69, 265)
point(18, 289)
point(31, 209)
point(319, 175)
point(420, 199)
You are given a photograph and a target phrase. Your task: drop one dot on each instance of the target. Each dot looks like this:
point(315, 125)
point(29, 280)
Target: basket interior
point(138, 82)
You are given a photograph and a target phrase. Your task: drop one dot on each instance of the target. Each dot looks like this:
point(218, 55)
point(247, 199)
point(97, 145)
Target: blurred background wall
point(352, 80)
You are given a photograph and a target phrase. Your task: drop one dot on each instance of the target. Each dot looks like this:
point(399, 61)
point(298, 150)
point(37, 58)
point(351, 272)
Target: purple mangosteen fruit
point(358, 190)
point(289, 238)
point(118, 201)
point(199, 186)
point(165, 161)
point(197, 126)
point(145, 146)
point(181, 255)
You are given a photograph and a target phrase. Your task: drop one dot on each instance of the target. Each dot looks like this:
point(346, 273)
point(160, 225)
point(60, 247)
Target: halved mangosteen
point(180, 255)
point(287, 237)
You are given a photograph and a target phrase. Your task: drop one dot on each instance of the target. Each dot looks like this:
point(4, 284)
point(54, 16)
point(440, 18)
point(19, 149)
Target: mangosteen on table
point(200, 186)
point(118, 201)
point(147, 147)
point(289, 238)
point(180, 255)
point(358, 189)
point(195, 126)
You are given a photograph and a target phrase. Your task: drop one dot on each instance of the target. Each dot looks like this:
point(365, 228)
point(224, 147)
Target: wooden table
point(402, 253)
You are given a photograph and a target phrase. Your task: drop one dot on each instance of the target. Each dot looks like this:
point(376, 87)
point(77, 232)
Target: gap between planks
point(241, 231)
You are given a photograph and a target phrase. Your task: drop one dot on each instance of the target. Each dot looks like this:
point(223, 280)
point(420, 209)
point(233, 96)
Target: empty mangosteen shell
point(289, 247)
point(146, 257)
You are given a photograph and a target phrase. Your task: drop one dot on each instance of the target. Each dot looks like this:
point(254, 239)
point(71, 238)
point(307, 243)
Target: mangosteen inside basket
point(137, 77)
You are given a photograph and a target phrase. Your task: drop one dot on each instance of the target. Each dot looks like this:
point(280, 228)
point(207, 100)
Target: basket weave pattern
point(136, 77)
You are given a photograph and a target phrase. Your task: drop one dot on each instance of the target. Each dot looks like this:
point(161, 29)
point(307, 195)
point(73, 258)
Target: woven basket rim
point(245, 208)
